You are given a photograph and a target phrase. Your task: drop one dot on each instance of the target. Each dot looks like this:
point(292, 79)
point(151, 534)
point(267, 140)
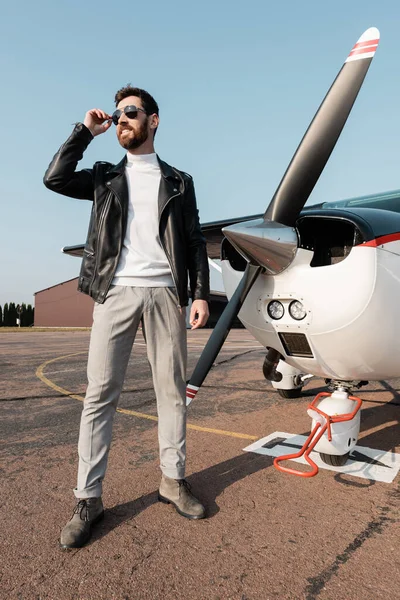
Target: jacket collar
point(166, 170)
point(117, 169)
point(116, 181)
point(169, 185)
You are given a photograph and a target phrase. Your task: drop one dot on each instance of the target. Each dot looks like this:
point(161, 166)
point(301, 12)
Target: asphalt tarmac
point(267, 535)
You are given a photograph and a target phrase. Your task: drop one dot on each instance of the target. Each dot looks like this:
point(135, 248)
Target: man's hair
point(149, 104)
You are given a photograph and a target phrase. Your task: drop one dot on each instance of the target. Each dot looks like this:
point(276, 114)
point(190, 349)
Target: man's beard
point(139, 138)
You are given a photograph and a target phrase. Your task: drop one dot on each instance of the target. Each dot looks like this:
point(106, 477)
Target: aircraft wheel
point(292, 393)
point(333, 460)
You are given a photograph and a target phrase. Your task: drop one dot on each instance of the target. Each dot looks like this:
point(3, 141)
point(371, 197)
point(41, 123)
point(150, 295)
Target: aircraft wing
point(212, 231)
point(74, 250)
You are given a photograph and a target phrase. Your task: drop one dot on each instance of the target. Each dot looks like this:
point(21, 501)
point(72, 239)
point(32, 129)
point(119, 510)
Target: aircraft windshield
point(386, 201)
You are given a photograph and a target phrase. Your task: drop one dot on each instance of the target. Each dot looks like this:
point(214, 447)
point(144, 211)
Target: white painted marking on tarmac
point(367, 463)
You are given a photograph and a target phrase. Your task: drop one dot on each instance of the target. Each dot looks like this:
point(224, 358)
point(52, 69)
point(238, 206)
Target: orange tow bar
point(323, 424)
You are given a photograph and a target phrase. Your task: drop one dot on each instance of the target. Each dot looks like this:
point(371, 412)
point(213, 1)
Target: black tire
point(293, 393)
point(334, 460)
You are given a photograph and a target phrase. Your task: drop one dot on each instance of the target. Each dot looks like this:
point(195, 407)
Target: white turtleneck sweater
point(143, 262)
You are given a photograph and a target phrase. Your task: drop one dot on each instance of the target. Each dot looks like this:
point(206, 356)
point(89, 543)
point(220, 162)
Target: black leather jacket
point(106, 185)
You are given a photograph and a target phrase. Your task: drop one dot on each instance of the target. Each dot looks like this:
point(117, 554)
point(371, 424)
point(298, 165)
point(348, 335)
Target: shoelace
point(186, 485)
point(79, 508)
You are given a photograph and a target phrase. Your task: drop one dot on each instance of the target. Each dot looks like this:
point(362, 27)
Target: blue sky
point(237, 84)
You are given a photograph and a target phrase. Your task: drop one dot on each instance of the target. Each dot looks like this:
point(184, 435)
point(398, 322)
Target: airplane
point(316, 286)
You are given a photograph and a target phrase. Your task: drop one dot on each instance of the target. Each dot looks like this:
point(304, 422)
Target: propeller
point(270, 244)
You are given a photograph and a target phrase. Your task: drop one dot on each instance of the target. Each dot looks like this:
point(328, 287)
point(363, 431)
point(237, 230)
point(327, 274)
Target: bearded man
point(144, 240)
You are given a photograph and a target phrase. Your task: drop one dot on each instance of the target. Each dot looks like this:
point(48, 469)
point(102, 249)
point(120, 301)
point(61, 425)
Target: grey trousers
point(113, 333)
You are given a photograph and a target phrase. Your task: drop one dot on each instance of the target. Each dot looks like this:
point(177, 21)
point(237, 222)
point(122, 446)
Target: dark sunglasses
point(130, 111)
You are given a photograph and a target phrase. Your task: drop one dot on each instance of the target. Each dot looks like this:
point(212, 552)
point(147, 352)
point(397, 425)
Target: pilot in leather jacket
point(105, 184)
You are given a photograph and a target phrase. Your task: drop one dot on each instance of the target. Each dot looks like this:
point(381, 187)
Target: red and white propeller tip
point(366, 45)
point(191, 391)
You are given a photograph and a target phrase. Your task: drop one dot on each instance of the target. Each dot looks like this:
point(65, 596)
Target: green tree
point(12, 314)
point(5, 315)
point(23, 314)
point(1, 317)
point(27, 316)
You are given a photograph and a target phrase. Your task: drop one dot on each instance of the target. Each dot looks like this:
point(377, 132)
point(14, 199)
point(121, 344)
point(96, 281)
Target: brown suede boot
point(177, 492)
point(78, 530)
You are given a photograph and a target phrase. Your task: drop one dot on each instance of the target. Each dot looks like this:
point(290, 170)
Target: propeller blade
point(293, 192)
point(319, 140)
point(221, 330)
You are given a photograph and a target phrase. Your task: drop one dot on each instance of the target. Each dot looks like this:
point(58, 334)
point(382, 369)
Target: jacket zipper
point(165, 250)
point(101, 221)
point(120, 245)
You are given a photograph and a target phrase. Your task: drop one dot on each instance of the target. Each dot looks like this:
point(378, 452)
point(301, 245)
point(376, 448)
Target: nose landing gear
point(334, 430)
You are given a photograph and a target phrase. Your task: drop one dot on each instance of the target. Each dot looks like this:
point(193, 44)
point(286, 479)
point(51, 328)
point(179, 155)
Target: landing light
point(275, 310)
point(297, 310)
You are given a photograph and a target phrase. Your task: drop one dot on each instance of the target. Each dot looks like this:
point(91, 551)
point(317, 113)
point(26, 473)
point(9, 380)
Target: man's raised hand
point(97, 121)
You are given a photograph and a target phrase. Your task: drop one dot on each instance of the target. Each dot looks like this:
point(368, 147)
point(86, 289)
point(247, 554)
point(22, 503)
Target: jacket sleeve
point(199, 272)
point(61, 175)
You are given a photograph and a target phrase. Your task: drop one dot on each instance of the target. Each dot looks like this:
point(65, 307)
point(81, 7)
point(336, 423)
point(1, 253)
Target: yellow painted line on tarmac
point(40, 375)
point(242, 436)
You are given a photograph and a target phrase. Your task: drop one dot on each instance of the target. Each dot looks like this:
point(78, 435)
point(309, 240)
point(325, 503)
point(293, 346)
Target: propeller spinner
point(270, 244)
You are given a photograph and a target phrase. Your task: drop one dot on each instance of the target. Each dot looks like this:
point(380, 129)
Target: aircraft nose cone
point(267, 243)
